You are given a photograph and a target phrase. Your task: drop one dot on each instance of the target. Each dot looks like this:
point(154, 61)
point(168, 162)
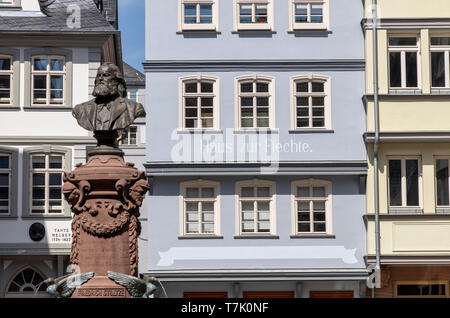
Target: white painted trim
point(309, 26)
point(402, 50)
point(328, 101)
point(328, 205)
point(253, 26)
point(435, 180)
point(198, 26)
point(403, 159)
point(199, 183)
point(272, 101)
point(216, 101)
point(273, 215)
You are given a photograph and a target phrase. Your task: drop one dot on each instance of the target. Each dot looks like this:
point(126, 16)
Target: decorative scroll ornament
point(123, 208)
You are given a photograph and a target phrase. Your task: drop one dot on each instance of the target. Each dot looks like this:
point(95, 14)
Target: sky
point(132, 27)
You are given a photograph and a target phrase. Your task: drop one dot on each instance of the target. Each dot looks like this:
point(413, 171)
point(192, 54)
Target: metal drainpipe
point(377, 138)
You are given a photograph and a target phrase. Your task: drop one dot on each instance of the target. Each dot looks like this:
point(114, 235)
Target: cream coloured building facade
point(413, 43)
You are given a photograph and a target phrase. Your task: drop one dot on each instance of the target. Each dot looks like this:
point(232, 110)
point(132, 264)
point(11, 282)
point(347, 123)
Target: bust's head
point(109, 82)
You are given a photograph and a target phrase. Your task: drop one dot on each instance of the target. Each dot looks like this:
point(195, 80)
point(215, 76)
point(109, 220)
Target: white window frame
point(310, 78)
point(238, 26)
point(135, 90)
point(310, 183)
point(255, 183)
point(200, 183)
point(446, 50)
point(128, 133)
point(10, 185)
point(435, 181)
point(46, 171)
point(270, 94)
point(10, 3)
point(403, 50)
point(324, 26)
point(403, 159)
point(215, 95)
point(182, 26)
point(48, 73)
point(10, 72)
point(25, 294)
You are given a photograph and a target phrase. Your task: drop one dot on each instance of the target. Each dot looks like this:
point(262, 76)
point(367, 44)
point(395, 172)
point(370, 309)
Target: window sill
point(41, 217)
point(200, 237)
point(256, 131)
point(443, 210)
point(12, 8)
point(199, 31)
point(9, 108)
point(310, 30)
point(405, 91)
point(312, 236)
point(48, 108)
point(440, 91)
point(256, 236)
point(311, 131)
point(250, 31)
point(400, 211)
point(11, 217)
point(199, 131)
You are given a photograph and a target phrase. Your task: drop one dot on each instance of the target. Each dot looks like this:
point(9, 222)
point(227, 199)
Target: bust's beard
point(108, 90)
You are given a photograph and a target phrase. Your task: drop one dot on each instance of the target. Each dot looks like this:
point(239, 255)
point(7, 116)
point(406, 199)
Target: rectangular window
point(440, 65)
point(442, 182)
point(5, 183)
point(129, 137)
point(255, 103)
point(312, 204)
point(198, 15)
point(256, 207)
point(46, 186)
point(6, 80)
point(310, 100)
point(199, 103)
point(200, 208)
point(48, 80)
point(404, 182)
point(253, 15)
point(309, 14)
point(403, 62)
point(421, 289)
point(132, 94)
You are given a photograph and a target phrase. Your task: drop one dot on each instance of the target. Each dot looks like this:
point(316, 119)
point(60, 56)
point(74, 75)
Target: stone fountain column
point(105, 195)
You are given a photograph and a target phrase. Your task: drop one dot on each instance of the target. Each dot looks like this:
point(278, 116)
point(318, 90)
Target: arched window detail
point(255, 102)
point(27, 281)
point(199, 103)
point(255, 207)
point(200, 208)
point(311, 207)
point(311, 102)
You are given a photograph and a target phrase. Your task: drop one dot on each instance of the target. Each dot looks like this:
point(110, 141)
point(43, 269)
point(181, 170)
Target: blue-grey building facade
point(254, 148)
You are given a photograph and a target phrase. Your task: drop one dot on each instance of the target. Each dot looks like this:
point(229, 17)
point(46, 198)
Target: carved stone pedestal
point(105, 195)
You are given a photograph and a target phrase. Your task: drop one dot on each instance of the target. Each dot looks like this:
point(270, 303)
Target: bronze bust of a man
point(109, 110)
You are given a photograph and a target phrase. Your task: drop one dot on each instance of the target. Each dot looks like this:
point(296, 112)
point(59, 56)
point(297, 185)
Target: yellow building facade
point(413, 53)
